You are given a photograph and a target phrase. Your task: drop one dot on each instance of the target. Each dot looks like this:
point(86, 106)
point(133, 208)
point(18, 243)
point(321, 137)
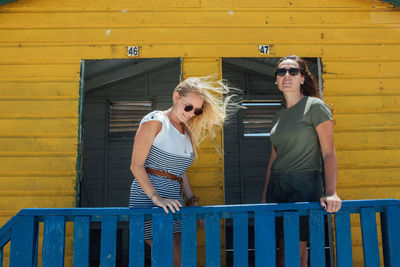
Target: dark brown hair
point(310, 87)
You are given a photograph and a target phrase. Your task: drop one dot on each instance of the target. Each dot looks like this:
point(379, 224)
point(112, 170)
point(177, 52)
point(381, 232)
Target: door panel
point(246, 136)
point(106, 175)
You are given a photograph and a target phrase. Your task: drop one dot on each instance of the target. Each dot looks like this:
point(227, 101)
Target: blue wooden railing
point(22, 231)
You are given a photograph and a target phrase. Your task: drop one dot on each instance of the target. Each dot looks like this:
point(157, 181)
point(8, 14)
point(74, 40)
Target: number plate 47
point(263, 49)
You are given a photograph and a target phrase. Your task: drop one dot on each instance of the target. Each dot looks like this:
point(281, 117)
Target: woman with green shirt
point(302, 138)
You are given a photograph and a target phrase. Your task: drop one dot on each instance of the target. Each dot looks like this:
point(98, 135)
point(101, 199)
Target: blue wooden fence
point(22, 232)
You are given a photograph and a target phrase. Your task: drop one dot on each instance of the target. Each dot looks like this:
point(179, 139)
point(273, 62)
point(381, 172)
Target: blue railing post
point(161, 242)
point(240, 239)
point(53, 241)
point(369, 237)
point(24, 241)
point(213, 240)
point(81, 241)
point(136, 240)
point(291, 238)
point(317, 239)
point(189, 242)
point(1, 257)
point(343, 238)
point(390, 220)
point(108, 241)
point(264, 239)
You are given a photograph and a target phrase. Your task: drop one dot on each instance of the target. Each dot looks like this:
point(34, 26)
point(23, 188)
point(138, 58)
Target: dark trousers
point(295, 187)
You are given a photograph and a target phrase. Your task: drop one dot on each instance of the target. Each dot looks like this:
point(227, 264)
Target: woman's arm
point(267, 175)
point(187, 188)
point(330, 201)
point(144, 138)
point(188, 192)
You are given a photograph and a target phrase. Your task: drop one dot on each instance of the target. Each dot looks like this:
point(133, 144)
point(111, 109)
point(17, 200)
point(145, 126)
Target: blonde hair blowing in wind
point(216, 108)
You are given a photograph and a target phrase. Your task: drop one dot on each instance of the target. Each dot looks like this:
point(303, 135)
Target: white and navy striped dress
point(170, 152)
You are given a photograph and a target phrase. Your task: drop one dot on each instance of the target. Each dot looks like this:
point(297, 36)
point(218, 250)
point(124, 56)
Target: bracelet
point(152, 195)
point(191, 200)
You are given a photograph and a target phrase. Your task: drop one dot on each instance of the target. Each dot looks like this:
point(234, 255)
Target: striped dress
point(170, 152)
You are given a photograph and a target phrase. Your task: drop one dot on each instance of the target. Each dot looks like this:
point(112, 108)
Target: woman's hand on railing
point(166, 203)
point(194, 202)
point(331, 203)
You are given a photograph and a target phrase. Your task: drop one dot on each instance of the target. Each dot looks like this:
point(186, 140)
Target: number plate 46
point(133, 51)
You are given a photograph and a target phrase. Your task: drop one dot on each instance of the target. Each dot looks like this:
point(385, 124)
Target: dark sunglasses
point(292, 71)
point(197, 111)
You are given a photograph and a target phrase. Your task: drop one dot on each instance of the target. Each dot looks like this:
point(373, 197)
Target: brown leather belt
point(166, 175)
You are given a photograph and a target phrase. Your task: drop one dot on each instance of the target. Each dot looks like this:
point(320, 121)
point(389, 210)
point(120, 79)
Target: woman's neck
point(173, 118)
point(292, 99)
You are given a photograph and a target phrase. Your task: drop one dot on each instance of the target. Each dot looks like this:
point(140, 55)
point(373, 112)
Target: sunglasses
point(292, 71)
point(197, 111)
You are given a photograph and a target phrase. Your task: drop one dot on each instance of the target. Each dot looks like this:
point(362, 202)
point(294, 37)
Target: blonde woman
point(166, 144)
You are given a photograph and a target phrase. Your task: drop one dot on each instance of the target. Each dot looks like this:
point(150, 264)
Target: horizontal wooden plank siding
point(43, 42)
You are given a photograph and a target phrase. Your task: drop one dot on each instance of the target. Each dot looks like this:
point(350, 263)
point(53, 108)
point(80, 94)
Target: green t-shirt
point(294, 137)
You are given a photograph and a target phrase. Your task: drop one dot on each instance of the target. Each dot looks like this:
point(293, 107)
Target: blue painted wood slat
point(317, 238)
point(369, 237)
point(1, 257)
point(53, 241)
point(108, 241)
point(385, 234)
point(344, 253)
point(23, 249)
point(5, 230)
point(264, 239)
point(213, 240)
point(291, 238)
point(240, 239)
point(81, 241)
point(5, 238)
point(161, 247)
point(391, 235)
point(189, 242)
point(136, 241)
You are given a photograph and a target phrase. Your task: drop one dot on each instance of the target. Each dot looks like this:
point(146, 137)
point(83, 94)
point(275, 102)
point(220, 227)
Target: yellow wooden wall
point(42, 43)
point(207, 174)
